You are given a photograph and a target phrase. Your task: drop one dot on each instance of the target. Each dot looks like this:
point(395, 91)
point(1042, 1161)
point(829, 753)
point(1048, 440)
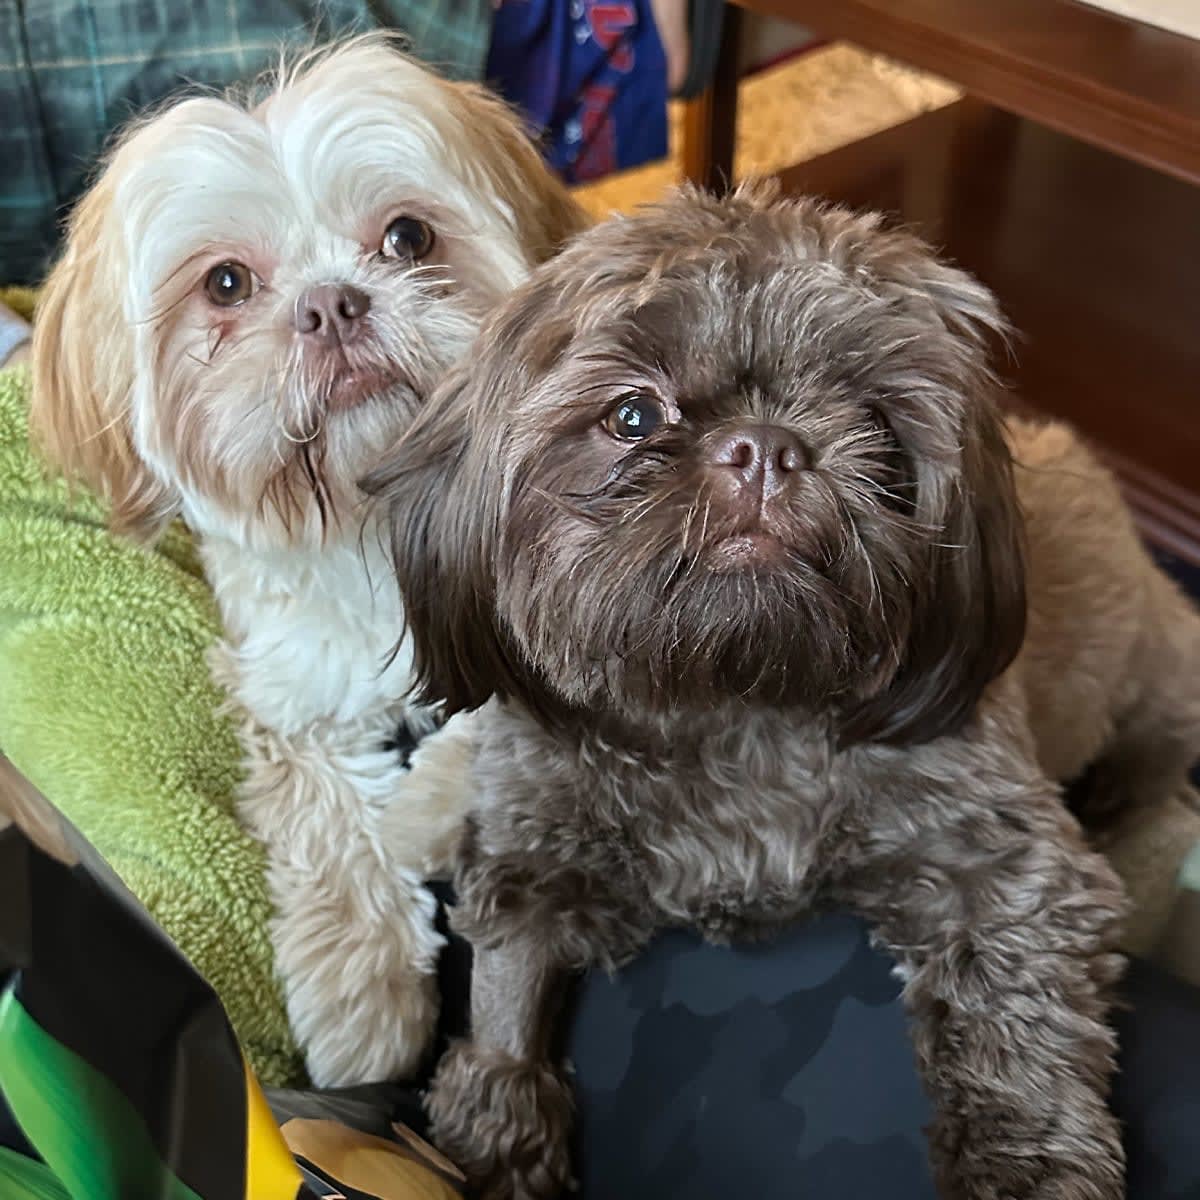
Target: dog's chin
point(296, 483)
point(360, 407)
point(748, 624)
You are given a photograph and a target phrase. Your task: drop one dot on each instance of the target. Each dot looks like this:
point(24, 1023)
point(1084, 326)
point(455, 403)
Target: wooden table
point(1069, 181)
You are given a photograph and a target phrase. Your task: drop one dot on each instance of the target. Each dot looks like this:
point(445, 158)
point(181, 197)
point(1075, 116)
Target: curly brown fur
point(515, 1127)
point(774, 655)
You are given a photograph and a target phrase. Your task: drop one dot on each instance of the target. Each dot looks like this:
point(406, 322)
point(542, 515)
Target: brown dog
point(722, 511)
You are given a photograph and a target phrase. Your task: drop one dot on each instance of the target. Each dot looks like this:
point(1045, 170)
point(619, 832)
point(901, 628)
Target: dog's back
point(1111, 661)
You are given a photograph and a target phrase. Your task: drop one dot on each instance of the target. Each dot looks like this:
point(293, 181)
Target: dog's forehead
point(330, 155)
point(789, 297)
point(725, 297)
point(199, 172)
point(683, 234)
point(683, 259)
point(791, 335)
point(338, 121)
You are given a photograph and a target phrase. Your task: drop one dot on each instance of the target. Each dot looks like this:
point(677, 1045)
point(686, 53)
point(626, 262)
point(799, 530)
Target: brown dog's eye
point(635, 417)
point(229, 284)
point(407, 238)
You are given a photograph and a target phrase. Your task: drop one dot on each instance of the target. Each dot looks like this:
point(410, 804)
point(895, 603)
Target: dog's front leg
point(500, 1106)
point(353, 933)
point(1004, 924)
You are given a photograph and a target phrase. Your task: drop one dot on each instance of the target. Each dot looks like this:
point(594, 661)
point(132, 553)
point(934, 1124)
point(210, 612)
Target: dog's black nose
point(331, 312)
point(769, 452)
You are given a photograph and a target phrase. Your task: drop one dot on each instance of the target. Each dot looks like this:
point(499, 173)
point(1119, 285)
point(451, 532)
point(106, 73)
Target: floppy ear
point(969, 601)
point(547, 216)
point(446, 485)
point(83, 372)
point(443, 501)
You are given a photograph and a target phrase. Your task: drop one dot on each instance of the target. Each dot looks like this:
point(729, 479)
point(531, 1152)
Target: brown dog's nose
point(331, 312)
point(766, 452)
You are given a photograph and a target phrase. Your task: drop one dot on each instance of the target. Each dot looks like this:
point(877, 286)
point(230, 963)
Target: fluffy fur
point(253, 420)
point(813, 640)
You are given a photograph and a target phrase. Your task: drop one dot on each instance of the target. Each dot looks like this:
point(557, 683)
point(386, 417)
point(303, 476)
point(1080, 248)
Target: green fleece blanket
point(106, 705)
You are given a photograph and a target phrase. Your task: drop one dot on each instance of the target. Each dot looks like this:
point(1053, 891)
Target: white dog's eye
point(407, 238)
point(229, 284)
point(635, 416)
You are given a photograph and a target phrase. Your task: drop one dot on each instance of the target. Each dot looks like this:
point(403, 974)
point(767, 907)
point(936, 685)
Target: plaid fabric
point(71, 71)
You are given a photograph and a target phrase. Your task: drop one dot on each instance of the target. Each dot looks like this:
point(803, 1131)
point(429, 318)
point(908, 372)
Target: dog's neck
point(659, 737)
point(313, 628)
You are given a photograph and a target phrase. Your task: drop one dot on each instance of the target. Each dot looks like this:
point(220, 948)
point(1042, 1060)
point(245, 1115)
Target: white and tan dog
point(252, 304)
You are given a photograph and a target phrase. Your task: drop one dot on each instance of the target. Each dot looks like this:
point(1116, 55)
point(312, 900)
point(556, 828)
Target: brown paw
point(725, 918)
point(1082, 1159)
point(503, 1122)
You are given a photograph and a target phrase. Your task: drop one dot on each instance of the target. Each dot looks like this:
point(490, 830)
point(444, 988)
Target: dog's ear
point(443, 503)
point(446, 485)
point(544, 212)
point(968, 578)
point(83, 372)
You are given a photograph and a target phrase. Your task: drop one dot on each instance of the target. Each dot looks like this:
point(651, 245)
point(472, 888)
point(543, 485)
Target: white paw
point(421, 826)
point(361, 987)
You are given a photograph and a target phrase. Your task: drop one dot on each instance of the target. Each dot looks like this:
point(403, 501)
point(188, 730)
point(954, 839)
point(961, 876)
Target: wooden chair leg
point(710, 120)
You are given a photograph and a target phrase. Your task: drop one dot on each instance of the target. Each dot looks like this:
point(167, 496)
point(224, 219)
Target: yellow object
point(20, 300)
point(271, 1171)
